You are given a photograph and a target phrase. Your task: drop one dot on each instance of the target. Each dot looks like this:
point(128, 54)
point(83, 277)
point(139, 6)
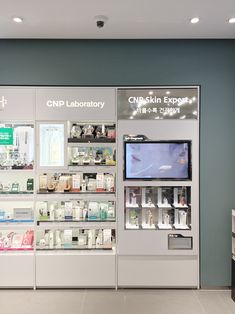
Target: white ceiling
point(126, 18)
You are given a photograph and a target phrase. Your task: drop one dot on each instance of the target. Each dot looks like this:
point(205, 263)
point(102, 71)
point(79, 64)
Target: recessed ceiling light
point(150, 92)
point(231, 20)
point(131, 117)
point(17, 19)
point(194, 20)
point(168, 92)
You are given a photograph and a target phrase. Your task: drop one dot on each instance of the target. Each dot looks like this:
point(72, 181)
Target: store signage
point(6, 136)
point(75, 104)
point(158, 103)
point(135, 138)
point(3, 102)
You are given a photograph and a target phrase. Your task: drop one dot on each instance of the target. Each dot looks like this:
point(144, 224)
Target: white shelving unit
point(61, 260)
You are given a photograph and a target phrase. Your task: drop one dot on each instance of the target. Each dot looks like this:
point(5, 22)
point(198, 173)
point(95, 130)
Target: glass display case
point(76, 183)
point(159, 208)
point(16, 146)
point(75, 239)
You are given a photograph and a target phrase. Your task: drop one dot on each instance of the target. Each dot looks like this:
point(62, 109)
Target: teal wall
point(209, 63)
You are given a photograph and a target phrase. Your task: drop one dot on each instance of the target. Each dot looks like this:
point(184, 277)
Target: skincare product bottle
point(133, 199)
point(183, 217)
point(77, 213)
point(51, 239)
point(58, 239)
point(52, 212)
point(90, 239)
point(150, 218)
point(30, 184)
point(166, 219)
point(83, 186)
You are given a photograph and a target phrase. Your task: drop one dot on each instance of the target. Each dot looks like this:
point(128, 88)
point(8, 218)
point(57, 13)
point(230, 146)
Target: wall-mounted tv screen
point(157, 160)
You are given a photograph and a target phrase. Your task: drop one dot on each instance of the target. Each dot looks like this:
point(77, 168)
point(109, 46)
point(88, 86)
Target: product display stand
point(76, 216)
point(87, 200)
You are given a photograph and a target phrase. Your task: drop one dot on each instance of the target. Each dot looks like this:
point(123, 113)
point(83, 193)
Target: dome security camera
point(100, 21)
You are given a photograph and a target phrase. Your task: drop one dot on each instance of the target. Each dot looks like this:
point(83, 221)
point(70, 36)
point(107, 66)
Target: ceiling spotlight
point(168, 92)
point(17, 19)
point(194, 20)
point(131, 117)
point(150, 92)
point(231, 20)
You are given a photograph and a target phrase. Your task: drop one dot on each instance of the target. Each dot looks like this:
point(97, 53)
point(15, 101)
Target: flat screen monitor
point(157, 160)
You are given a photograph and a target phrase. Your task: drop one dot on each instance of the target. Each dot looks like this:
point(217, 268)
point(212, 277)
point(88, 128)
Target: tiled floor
point(116, 302)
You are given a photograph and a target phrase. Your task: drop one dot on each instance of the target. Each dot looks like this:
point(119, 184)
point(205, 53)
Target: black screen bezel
point(188, 178)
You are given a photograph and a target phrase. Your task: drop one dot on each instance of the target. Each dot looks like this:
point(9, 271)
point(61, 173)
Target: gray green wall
point(209, 63)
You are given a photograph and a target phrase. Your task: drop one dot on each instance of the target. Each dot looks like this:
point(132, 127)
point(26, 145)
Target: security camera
point(100, 21)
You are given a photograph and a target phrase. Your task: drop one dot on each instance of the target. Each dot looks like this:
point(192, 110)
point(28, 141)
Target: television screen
point(158, 160)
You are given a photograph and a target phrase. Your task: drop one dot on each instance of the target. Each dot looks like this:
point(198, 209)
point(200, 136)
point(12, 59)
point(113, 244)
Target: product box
point(93, 211)
point(68, 238)
point(100, 182)
point(23, 214)
point(107, 239)
point(68, 210)
point(43, 182)
point(76, 182)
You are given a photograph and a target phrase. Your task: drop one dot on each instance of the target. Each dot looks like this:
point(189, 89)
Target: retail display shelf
point(19, 197)
point(73, 248)
point(149, 183)
point(91, 140)
point(76, 196)
point(92, 144)
point(75, 193)
point(92, 168)
point(16, 223)
point(77, 252)
point(157, 227)
point(74, 224)
point(16, 253)
point(15, 249)
point(16, 193)
point(19, 170)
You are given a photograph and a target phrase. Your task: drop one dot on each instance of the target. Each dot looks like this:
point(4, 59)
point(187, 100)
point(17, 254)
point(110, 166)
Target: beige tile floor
point(123, 301)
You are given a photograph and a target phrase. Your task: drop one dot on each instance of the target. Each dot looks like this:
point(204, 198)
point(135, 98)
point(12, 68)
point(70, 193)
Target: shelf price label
point(6, 136)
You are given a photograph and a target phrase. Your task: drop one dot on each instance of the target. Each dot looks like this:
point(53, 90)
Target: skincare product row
point(84, 156)
point(75, 239)
point(92, 131)
point(161, 197)
point(158, 218)
point(24, 214)
point(79, 182)
point(16, 240)
point(76, 210)
point(16, 187)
